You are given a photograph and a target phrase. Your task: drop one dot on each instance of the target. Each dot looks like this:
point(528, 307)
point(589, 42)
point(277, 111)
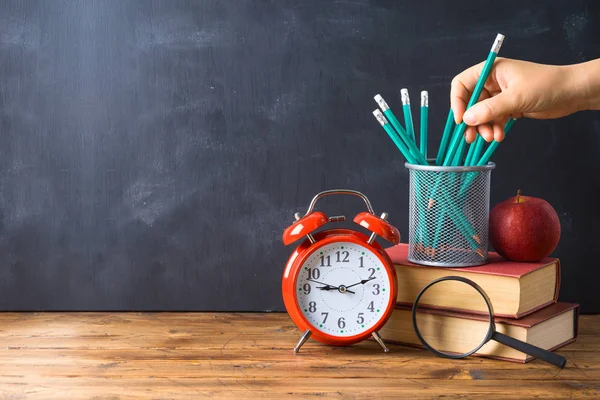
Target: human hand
point(515, 89)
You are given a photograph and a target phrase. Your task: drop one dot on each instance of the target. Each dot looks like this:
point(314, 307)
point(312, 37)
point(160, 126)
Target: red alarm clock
point(339, 285)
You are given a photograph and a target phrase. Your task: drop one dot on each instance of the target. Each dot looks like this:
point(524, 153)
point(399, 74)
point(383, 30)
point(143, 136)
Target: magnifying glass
point(448, 338)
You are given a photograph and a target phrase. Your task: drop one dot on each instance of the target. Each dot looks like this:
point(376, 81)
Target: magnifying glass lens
point(440, 320)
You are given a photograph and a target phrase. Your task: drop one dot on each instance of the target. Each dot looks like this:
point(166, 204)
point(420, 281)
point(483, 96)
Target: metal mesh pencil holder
point(449, 215)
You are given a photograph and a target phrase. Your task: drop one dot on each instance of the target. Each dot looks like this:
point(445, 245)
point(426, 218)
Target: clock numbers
point(360, 319)
point(312, 306)
point(326, 314)
point(341, 323)
point(371, 307)
point(371, 273)
point(345, 258)
point(313, 273)
point(377, 290)
point(323, 259)
point(361, 262)
point(306, 288)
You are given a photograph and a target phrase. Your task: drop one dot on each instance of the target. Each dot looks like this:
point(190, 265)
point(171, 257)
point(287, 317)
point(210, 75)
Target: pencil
point(475, 151)
point(423, 124)
point(421, 231)
point(485, 158)
point(455, 162)
point(459, 132)
point(459, 220)
point(479, 142)
point(470, 178)
point(417, 157)
point(494, 145)
point(392, 134)
point(459, 153)
point(409, 157)
point(458, 142)
point(470, 152)
point(408, 122)
point(448, 129)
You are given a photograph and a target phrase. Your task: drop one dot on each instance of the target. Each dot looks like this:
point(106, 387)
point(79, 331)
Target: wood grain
point(225, 355)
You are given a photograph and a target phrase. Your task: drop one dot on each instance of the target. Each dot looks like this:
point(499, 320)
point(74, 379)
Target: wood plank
point(77, 387)
point(182, 355)
point(425, 367)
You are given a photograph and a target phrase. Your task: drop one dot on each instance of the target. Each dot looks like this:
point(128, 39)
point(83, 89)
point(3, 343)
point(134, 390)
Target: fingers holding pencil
point(515, 89)
point(485, 130)
point(459, 97)
point(492, 110)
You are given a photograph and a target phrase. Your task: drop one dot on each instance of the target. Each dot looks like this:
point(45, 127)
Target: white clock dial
point(343, 289)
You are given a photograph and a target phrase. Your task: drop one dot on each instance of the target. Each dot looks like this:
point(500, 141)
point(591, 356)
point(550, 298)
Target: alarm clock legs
point(380, 341)
point(303, 339)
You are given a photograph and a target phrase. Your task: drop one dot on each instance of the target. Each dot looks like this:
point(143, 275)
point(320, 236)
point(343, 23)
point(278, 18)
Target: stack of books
point(523, 295)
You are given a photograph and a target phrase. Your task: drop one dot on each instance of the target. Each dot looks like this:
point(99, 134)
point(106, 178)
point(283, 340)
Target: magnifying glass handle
point(548, 356)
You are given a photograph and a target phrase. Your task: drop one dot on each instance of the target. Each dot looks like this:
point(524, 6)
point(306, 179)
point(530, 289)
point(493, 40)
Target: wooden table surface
point(199, 355)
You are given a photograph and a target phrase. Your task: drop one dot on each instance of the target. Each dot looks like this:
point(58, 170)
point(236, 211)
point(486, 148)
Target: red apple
point(524, 228)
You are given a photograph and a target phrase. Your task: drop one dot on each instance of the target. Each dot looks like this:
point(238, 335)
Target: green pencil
point(485, 158)
point(478, 146)
point(409, 157)
point(448, 129)
point(457, 141)
point(455, 162)
point(472, 147)
point(408, 122)
point(395, 138)
point(450, 204)
point(459, 133)
point(416, 154)
point(494, 145)
point(423, 124)
point(459, 153)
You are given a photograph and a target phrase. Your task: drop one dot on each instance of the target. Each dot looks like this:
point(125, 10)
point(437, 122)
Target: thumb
point(493, 108)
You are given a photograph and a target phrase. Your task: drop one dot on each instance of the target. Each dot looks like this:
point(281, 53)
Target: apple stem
point(519, 196)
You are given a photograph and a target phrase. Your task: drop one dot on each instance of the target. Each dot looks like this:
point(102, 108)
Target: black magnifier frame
point(492, 334)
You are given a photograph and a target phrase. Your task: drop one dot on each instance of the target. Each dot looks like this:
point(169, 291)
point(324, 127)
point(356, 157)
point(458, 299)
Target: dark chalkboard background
point(151, 153)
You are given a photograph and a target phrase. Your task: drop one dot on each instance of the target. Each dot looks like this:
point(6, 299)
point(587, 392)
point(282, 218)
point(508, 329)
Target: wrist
point(585, 84)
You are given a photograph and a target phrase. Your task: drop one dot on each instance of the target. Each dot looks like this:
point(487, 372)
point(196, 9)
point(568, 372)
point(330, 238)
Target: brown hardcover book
point(550, 328)
point(515, 289)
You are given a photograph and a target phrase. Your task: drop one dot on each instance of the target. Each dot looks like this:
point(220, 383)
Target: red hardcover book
point(550, 328)
point(515, 289)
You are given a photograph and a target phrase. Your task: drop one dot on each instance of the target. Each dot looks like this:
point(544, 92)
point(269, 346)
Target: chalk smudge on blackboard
point(177, 31)
point(574, 27)
point(15, 33)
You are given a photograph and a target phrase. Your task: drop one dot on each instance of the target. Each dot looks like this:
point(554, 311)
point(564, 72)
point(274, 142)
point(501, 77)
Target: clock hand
point(330, 287)
point(335, 288)
point(326, 285)
point(361, 282)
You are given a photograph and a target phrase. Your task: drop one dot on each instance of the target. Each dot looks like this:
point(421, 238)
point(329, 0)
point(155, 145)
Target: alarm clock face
point(343, 289)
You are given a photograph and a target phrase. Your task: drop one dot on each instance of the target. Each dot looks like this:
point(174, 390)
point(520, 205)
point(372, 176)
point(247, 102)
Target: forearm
point(587, 83)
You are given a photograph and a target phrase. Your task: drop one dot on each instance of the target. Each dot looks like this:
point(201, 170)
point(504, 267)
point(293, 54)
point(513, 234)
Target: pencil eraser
point(404, 96)
point(498, 43)
point(380, 117)
point(424, 99)
point(384, 106)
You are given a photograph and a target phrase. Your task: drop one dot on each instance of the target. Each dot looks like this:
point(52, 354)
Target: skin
point(517, 89)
